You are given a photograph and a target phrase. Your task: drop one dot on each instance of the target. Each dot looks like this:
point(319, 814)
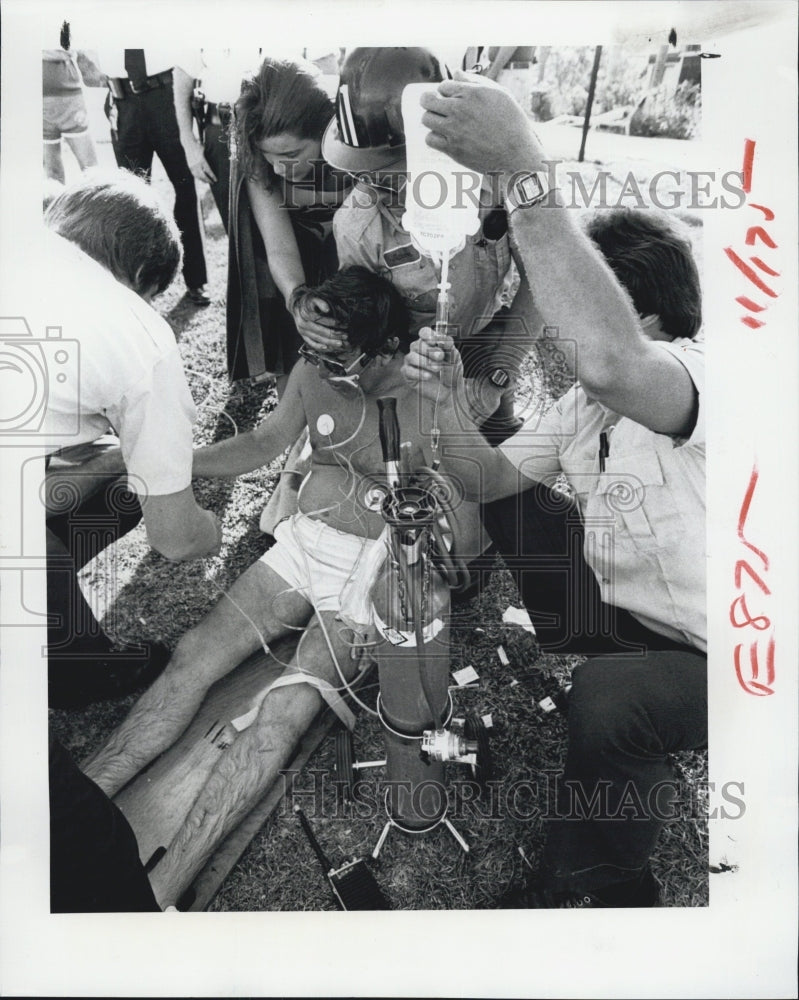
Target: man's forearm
point(599, 316)
point(199, 537)
point(231, 457)
point(482, 471)
point(257, 447)
point(183, 88)
point(480, 125)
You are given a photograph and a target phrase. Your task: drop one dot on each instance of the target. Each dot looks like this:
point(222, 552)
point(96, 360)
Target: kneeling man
point(618, 572)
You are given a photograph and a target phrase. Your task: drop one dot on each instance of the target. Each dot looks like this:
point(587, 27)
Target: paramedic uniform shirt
point(644, 516)
point(130, 375)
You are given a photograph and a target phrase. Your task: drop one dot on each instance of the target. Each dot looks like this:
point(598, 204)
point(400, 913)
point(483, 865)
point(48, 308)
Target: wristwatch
point(499, 378)
point(526, 190)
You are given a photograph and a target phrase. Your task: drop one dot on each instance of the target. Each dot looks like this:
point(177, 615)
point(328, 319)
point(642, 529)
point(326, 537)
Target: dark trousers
point(94, 857)
point(641, 697)
point(74, 537)
point(217, 154)
point(146, 124)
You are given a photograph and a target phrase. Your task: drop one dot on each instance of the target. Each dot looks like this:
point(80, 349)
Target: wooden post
point(659, 68)
point(542, 54)
point(590, 101)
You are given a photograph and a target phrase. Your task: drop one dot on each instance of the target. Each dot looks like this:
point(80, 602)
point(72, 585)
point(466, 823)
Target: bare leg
point(248, 768)
point(82, 146)
point(207, 652)
point(53, 163)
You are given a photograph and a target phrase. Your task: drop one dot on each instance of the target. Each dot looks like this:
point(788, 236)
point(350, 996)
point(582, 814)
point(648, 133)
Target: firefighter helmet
point(367, 132)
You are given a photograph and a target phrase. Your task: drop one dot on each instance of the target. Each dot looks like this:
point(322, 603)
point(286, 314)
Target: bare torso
point(347, 458)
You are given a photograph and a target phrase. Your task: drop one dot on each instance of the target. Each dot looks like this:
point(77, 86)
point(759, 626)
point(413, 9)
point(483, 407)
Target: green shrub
point(564, 88)
point(541, 104)
point(621, 82)
point(673, 116)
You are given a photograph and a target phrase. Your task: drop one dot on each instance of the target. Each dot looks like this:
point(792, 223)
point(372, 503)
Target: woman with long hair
point(283, 196)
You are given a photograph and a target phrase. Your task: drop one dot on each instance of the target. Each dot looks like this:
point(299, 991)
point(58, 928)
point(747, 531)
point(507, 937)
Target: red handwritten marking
point(741, 617)
point(747, 303)
point(742, 565)
point(748, 272)
point(759, 233)
point(766, 211)
point(753, 685)
point(749, 157)
point(753, 235)
point(744, 513)
point(765, 267)
point(760, 622)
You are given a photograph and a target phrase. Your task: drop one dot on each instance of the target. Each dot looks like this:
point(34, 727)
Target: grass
point(141, 596)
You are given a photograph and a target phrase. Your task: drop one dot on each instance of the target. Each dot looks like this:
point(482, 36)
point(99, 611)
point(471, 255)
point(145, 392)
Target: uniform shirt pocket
point(632, 491)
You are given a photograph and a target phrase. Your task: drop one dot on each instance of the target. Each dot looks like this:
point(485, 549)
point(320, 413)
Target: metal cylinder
point(417, 794)
point(414, 678)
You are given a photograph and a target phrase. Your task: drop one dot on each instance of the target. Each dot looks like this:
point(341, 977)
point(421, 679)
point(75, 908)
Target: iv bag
point(442, 198)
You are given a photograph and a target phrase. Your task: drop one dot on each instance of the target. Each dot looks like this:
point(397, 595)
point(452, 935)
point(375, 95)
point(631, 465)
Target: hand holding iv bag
point(442, 198)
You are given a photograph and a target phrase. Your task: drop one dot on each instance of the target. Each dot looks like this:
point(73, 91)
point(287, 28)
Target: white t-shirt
point(644, 515)
point(220, 71)
point(128, 376)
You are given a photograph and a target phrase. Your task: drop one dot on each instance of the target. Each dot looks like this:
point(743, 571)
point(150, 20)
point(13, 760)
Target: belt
point(121, 87)
point(218, 114)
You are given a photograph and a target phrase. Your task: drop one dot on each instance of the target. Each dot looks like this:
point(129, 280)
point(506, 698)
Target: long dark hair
point(282, 98)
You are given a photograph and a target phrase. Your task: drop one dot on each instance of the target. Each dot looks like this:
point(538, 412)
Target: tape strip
point(327, 691)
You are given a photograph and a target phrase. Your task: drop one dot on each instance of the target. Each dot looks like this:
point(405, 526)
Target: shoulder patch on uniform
point(399, 256)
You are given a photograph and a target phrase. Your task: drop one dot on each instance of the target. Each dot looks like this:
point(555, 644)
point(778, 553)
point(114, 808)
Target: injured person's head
point(371, 311)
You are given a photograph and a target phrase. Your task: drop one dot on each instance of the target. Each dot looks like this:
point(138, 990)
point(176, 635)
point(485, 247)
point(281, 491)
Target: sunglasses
point(335, 368)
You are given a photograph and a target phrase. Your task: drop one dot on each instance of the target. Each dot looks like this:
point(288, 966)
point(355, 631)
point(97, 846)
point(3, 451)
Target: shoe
point(198, 296)
point(640, 892)
point(76, 684)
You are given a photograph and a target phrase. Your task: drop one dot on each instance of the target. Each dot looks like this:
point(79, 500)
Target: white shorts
point(315, 559)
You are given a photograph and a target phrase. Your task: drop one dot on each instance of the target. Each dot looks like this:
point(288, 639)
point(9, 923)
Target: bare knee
point(187, 650)
point(198, 660)
point(289, 711)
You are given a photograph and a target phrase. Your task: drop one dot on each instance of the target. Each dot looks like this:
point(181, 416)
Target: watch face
point(499, 377)
point(530, 187)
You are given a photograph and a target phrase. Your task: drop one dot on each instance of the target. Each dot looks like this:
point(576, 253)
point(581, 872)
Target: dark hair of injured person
point(365, 304)
point(653, 260)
